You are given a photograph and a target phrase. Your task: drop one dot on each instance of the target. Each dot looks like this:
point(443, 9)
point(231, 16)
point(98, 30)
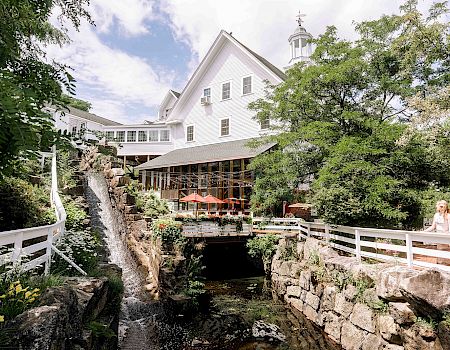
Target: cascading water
point(142, 321)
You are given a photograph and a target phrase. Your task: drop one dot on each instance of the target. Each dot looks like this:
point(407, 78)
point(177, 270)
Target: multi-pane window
point(207, 92)
point(246, 85)
point(226, 91)
point(265, 123)
point(142, 136)
point(120, 136)
point(110, 136)
point(153, 135)
point(164, 135)
point(190, 133)
point(225, 127)
point(131, 136)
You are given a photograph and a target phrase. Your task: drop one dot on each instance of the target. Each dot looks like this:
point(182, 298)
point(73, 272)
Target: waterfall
point(142, 321)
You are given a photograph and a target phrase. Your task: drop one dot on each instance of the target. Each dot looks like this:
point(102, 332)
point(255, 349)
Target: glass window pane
point(224, 127)
point(109, 135)
point(131, 136)
point(142, 136)
point(207, 92)
point(190, 133)
point(120, 136)
point(226, 91)
point(153, 135)
point(247, 85)
point(164, 135)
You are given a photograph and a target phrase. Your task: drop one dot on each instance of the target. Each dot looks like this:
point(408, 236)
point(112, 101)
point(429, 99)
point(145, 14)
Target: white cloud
point(130, 15)
point(265, 26)
point(114, 81)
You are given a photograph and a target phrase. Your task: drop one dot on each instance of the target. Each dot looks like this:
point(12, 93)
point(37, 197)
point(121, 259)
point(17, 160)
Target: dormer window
point(246, 85)
point(226, 91)
point(207, 92)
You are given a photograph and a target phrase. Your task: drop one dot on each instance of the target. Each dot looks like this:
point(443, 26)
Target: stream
point(234, 304)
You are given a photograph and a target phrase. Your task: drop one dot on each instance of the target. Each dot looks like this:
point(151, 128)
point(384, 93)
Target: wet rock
point(428, 292)
point(261, 329)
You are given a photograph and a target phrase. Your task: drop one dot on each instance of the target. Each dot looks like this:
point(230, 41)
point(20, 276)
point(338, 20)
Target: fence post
point(327, 233)
point(358, 245)
point(409, 252)
point(15, 257)
point(48, 252)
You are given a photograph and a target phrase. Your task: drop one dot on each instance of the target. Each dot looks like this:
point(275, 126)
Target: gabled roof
point(208, 153)
point(88, 116)
point(223, 36)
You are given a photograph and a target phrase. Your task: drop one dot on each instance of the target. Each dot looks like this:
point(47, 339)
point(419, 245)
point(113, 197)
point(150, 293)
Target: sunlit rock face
point(362, 306)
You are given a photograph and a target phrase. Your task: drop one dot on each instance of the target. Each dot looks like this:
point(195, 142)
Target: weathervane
point(299, 16)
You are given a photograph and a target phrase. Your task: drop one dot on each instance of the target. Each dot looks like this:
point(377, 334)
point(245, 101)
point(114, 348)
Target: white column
point(152, 179)
point(144, 177)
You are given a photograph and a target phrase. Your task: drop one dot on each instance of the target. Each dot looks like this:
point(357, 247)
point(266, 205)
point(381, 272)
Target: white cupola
point(299, 44)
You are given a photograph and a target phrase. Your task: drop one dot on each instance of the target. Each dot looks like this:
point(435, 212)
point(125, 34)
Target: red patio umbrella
point(211, 199)
point(194, 198)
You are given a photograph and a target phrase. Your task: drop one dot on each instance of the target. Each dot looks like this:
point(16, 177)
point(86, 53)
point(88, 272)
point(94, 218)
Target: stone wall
point(81, 314)
point(363, 306)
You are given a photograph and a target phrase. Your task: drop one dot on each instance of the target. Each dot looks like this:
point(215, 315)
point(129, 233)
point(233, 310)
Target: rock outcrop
point(81, 314)
point(362, 306)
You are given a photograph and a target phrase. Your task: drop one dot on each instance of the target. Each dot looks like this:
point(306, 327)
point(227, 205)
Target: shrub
point(168, 230)
point(133, 188)
point(79, 246)
point(151, 205)
point(23, 205)
point(75, 214)
point(263, 247)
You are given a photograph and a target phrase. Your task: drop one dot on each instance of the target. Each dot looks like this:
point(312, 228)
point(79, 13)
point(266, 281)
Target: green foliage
point(100, 330)
point(28, 83)
point(426, 323)
point(75, 214)
point(263, 247)
point(194, 289)
point(341, 122)
point(446, 318)
point(169, 231)
point(16, 299)
point(79, 246)
point(379, 306)
point(151, 205)
point(24, 205)
point(289, 251)
point(133, 189)
point(75, 102)
point(65, 169)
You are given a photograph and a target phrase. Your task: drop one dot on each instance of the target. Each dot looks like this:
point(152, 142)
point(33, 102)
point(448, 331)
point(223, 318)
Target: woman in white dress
point(441, 218)
point(441, 225)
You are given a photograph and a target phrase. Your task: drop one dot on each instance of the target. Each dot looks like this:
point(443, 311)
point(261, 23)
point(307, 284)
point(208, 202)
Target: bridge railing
point(414, 248)
point(19, 247)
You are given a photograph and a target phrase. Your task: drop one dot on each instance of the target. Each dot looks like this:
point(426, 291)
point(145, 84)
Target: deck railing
point(18, 246)
point(413, 248)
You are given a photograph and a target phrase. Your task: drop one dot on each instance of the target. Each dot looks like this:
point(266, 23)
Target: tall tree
point(340, 119)
point(27, 81)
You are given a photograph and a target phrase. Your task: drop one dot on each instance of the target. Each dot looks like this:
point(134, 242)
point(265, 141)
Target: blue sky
point(139, 49)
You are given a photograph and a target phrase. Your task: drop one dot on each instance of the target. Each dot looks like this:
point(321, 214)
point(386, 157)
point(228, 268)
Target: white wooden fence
point(212, 229)
point(414, 248)
point(17, 245)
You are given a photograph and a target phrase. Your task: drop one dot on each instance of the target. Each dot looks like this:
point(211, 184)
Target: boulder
point(388, 282)
point(342, 306)
point(352, 337)
point(363, 317)
point(294, 291)
point(332, 323)
point(413, 340)
point(328, 297)
point(261, 329)
point(428, 292)
point(312, 300)
point(444, 334)
point(388, 329)
point(402, 313)
point(311, 248)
